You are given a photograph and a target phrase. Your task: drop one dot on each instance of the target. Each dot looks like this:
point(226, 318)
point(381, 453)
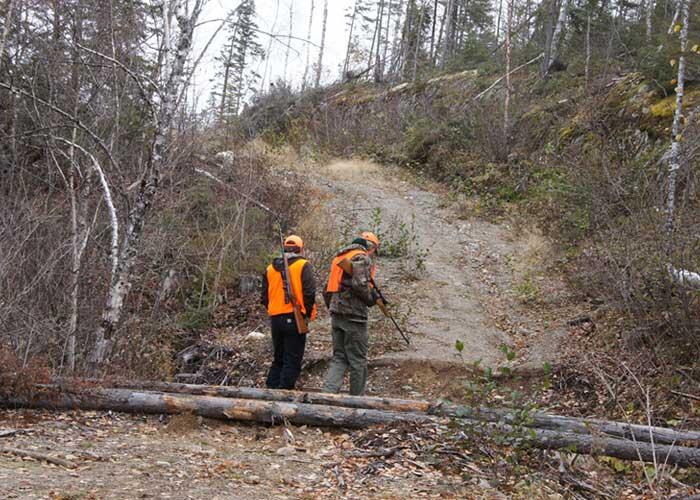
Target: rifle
point(382, 303)
point(302, 324)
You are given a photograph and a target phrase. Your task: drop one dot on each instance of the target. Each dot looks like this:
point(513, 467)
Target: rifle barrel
point(387, 312)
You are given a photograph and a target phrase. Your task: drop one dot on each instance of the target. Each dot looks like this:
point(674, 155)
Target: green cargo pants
point(350, 342)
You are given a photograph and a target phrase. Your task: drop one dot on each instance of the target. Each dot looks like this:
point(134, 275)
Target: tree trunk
point(418, 43)
point(347, 51)
point(319, 66)
point(648, 12)
point(396, 48)
point(375, 35)
point(588, 49)
point(7, 22)
point(432, 32)
point(378, 59)
point(498, 22)
point(308, 46)
point(402, 57)
point(121, 283)
point(125, 400)
point(227, 75)
point(549, 32)
point(289, 40)
point(449, 32)
point(387, 31)
point(674, 162)
point(558, 30)
point(536, 419)
point(676, 15)
point(509, 87)
point(269, 48)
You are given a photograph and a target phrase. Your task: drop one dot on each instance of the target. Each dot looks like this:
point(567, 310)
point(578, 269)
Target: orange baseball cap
point(371, 237)
point(293, 241)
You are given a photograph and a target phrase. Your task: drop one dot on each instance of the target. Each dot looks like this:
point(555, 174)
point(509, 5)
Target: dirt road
point(462, 276)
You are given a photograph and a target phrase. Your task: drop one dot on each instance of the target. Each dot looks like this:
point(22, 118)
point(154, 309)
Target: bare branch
point(64, 114)
point(481, 94)
point(114, 220)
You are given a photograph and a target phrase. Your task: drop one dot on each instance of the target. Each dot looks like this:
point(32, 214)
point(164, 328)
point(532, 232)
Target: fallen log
point(125, 400)
point(660, 435)
point(599, 445)
point(634, 432)
point(130, 401)
point(318, 398)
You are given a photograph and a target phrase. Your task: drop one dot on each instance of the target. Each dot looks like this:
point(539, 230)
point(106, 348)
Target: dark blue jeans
point(289, 348)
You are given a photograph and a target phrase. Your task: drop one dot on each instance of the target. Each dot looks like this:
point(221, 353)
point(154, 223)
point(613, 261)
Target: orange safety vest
point(277, 298)
point(336, 274)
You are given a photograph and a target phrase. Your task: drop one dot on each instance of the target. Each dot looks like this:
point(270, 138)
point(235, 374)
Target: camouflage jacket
point(356, 295)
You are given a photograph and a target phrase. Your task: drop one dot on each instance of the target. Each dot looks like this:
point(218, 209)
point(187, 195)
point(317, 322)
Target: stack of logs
point(538, 430)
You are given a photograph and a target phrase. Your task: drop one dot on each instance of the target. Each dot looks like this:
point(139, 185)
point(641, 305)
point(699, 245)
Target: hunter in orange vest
point(348, 298)
point(287, 342)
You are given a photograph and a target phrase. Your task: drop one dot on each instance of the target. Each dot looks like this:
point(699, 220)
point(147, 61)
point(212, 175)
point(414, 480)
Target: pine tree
point(239, 51)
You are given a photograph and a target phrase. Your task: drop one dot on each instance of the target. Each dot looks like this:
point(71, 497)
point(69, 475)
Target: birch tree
point(319, 65)
point(305, 78)
point(7, 22)
point(448, 42)
point(177, 43)
point(681, 276)
point(674, 158)
point(552, 52)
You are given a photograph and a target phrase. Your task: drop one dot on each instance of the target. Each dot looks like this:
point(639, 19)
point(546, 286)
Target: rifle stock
point(299, 319)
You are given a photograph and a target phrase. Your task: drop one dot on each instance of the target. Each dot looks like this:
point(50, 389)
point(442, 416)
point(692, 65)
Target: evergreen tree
point(239, 51)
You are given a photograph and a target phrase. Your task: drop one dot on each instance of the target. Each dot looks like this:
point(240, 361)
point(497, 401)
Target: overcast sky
point(336, 39)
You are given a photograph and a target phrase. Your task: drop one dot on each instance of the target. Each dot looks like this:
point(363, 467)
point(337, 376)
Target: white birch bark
point(7, 22)
point(674, 162)
point(121, 283)
point(305, 80)
point(558, 31)
point(114, 256)
point(685, 277)
point(648, 11)
point(498, 21)
point(676, 15)
point(167, 41)
point(449, 32)
point(319, 66)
